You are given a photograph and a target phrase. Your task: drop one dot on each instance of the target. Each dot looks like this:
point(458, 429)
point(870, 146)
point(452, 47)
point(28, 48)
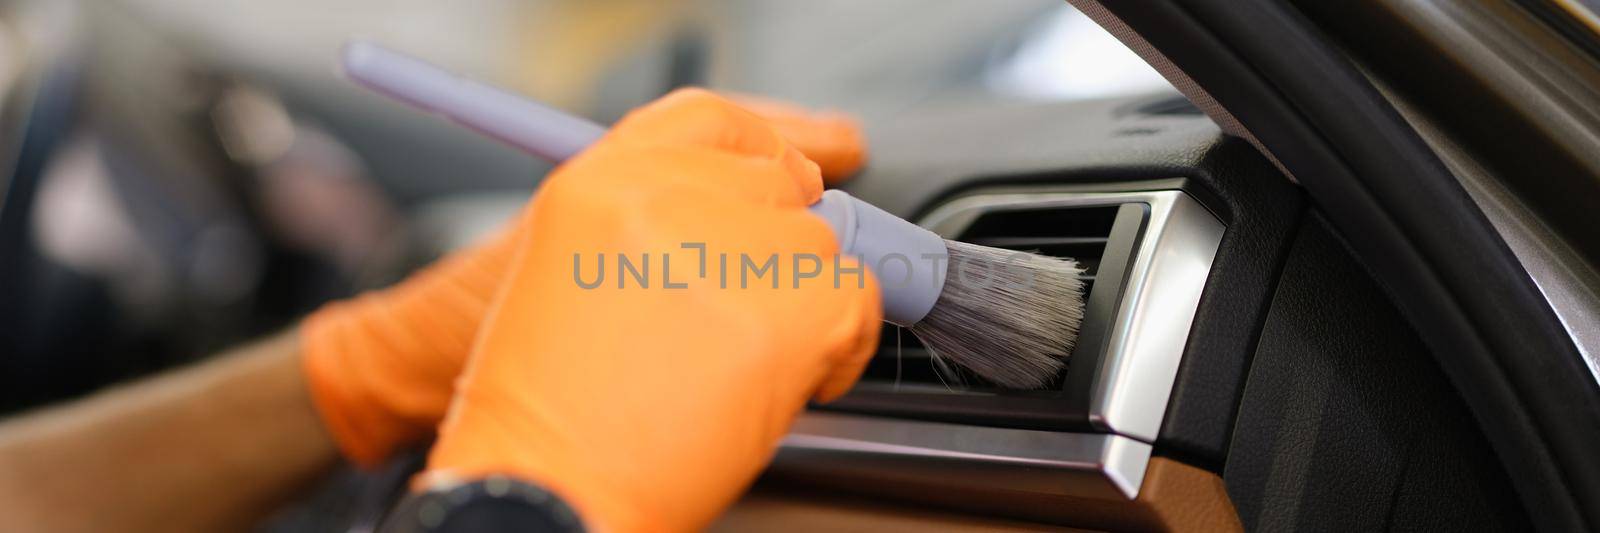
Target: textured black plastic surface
point(1347, 422)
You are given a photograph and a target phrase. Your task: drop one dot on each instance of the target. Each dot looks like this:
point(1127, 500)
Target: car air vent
point(1077, 233)
point(1131, 243)
point(1149, 252)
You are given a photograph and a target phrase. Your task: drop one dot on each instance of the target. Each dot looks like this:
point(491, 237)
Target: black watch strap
point(495, 503)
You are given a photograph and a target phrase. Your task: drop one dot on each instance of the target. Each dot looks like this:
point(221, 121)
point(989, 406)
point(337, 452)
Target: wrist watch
point(494, 503)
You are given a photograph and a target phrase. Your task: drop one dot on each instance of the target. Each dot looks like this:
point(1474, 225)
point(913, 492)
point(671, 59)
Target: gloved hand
point(652, 408)
point(831, 139)
point(381, 367)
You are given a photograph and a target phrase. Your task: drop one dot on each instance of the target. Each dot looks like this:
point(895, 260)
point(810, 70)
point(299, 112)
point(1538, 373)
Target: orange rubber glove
point(652, 408)
point(381, 367)
point(831, 139)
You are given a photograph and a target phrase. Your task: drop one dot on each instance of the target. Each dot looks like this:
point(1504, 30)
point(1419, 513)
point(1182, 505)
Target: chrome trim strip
point(1084, 465)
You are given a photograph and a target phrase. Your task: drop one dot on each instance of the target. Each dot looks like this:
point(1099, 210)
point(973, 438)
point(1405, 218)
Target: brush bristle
point(1008, 316)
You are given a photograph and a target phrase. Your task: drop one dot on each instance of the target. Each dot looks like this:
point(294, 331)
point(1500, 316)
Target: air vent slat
point(1023, 243)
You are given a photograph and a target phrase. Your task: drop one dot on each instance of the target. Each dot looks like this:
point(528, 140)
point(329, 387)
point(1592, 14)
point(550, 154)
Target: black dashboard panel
point(925, 156)
point(1347, 423)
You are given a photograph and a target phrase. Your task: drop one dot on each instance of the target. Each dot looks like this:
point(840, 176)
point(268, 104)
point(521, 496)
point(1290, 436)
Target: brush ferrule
point(909, 261)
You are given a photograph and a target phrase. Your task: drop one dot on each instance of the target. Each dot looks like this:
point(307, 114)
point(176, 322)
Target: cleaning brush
point(1010, 317)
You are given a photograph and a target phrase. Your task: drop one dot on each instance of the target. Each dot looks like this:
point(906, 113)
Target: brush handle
point(549, 133)
point(909, 261)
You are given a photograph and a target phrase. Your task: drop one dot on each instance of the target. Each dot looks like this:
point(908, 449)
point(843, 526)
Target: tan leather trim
point(1174, 497)
point(780, 510)
point(1180, 497)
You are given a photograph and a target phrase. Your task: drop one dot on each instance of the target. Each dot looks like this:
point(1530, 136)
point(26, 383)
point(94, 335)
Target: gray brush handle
point(546, 132)
point(910, 262)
